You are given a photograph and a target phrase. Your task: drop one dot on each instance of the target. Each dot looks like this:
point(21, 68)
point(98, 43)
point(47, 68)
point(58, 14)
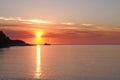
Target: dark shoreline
point(72, 44)
point(6, 42)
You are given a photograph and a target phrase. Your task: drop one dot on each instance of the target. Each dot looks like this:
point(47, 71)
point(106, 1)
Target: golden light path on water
point(38, 62)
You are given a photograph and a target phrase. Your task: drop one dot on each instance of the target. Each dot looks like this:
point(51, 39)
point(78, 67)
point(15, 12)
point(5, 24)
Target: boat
point(47, 44)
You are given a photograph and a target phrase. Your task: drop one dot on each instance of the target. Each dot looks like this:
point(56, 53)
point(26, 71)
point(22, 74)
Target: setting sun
point(38, 34)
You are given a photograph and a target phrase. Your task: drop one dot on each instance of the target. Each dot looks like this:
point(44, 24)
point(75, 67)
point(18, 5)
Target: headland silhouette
point(5, 41)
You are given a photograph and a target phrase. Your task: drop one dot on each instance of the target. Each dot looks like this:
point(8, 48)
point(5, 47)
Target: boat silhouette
point(47, 44)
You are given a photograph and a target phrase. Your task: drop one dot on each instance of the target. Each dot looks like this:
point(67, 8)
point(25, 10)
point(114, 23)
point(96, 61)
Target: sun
point(38, 34)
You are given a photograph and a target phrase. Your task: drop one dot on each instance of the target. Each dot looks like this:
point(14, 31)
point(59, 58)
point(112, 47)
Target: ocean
point(60, 62)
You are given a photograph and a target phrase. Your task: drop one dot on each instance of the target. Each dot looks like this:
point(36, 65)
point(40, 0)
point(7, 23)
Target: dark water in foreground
point(60, 62)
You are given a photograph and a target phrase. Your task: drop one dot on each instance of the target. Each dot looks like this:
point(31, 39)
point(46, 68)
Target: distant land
point(5, 41)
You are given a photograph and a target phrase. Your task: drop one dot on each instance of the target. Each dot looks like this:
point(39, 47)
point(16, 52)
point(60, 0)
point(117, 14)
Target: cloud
point(87, 24)
point(48, 25)
point(68, 23)
point(39, 21)
point(12, 19)
point(19, 34)
point(27, 21)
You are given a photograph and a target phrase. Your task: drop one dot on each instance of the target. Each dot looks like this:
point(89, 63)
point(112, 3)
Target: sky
point(87, 21)
point(101, 12)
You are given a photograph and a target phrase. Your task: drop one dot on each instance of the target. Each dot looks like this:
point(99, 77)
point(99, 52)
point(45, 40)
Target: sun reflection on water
point(38, 62)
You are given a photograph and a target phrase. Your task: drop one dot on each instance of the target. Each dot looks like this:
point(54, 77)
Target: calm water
point(60, 62)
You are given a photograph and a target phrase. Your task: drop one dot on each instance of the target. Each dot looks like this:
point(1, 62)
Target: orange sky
point(59, 33)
